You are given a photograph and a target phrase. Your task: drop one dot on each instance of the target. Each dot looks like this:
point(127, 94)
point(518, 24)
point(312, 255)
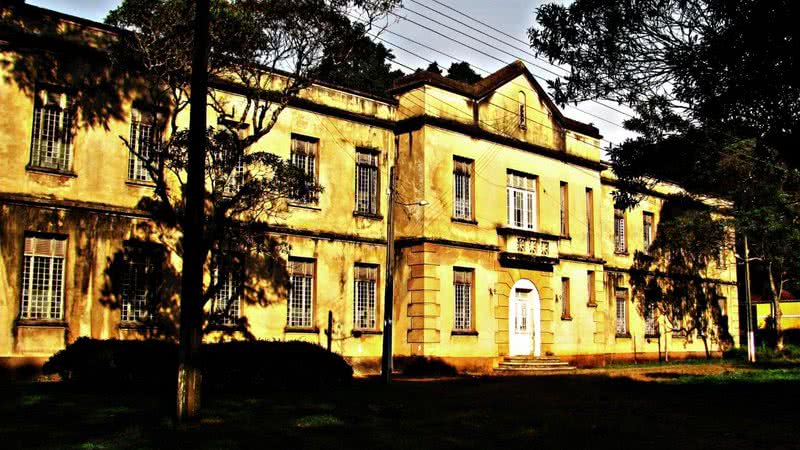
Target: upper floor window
point(647, 227)
point(139, 283)
point(304, 154)
point(51, 139)
point(522, 200)
point(564, 209)
point(366, 181)
point(620, 245)
point(463, 308)
point(226, 302)
point(301, 294)
point(364, 298)
point(234, 158)
point(523, 106)
point(589, 221)
point(142, 144)
point(43, 278)
point(462, 188)
point(566, 300)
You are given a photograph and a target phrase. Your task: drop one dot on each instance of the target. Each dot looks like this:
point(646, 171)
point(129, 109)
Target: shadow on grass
point(579, 411)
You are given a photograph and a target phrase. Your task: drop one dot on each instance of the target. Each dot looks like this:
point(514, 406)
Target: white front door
point(524, 320)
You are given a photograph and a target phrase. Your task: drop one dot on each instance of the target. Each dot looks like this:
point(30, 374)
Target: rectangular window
point(301, 293)
point(142, 145)
point(364, 297)
point(43, 278)
point(51, 140)
point(565, 299)
point(139, 283)
point(590, 288)
point(620, 245)
point(226, 302)
point(589, 222)
point(521, 200)
point(647, 227)
point(564, 209)
point(366, 181)
point(462, 188)
point(233, 157)
point(304, 154)
point(462, 283)
point(621, 301)
point(650, 322)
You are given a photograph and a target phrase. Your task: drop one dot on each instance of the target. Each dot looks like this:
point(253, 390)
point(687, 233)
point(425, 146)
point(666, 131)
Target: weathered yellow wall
point(790, 314)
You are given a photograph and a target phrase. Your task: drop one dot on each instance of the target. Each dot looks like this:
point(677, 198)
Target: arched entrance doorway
point(524, 320)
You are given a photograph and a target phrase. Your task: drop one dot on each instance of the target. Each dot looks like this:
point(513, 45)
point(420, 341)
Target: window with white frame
point(142, 145)
point(647, 227)
point(226, 303)
point(366, 181)
point(138, 283)
point(234, 158)
point(523, 106)
point(462, 283)
point(621, 307)
point(620, 245)
point(43, 278)
point(650, 322)
point(301, 293)
point(364, 296)
point(304, 156)
point(522, 201)
point(51, 140)
point(462, 188)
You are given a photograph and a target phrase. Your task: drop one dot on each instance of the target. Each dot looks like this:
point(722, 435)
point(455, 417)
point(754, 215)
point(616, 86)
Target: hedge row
point(232, 365)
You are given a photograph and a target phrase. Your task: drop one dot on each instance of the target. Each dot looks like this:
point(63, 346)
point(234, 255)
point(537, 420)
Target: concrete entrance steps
point(530, 365)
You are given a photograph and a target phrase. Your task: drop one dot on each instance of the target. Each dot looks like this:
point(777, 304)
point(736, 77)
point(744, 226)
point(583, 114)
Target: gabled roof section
point(489, 84)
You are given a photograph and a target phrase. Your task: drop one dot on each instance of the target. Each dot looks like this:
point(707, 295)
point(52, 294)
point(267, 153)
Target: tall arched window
point(522, 108)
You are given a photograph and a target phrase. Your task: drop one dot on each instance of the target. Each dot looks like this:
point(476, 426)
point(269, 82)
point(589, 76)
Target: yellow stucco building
point(507, 240)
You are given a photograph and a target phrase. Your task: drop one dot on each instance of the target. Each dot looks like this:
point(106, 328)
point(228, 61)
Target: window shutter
point(300, 267)
point(37, 246)
point(462, 277)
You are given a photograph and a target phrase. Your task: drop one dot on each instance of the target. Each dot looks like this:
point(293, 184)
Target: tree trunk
point(776, 289)
point(705, 346)
point(191, 314)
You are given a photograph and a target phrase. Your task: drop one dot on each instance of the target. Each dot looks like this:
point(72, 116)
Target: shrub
point(420, 366)
point(231, 365)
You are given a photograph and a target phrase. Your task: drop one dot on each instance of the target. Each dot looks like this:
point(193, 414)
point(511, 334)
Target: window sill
point(365, 215)
point(308, 206)
point(591, 305)
point(42, 323)
point(566, 318)
point(527, 232)
point(464, 221)
point(141, 184)
point(463, 333)
point(652, 336)
point(310, 330)
point(565, 237)
point(49, 171)
point(618, 253)
point(623, 336)
point(359, 333)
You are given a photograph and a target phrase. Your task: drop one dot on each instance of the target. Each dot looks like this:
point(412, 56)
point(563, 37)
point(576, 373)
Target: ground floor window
point(621, 301)
point(138, 283)
point(364, 297)
point(650, 322)
point(43, 278)
point(462, 283)
point(226, 304)
point(301, 293)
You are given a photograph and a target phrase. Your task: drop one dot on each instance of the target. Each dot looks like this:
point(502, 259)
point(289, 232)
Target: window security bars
point(366, 280)
point(462, 281)
point(142, 141)
point(647, 225)
point(301, 291)
point(462, 189)
point(522, 201)
point(43, 278)
point(51, 139)
point(650, 323)
point(303, 156)
point(226, 303)
point(621, 312)
point(366, 182)
point(619, 231)
point(523, 122)
point(138, 286)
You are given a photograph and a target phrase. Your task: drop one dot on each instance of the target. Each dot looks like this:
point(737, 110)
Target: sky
point(512, 17)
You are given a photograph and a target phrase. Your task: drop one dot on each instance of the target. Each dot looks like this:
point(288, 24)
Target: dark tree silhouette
point(462, 72)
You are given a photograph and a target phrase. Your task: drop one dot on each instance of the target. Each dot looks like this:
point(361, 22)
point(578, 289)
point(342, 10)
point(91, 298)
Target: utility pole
point(388, 297)
point(751, 338)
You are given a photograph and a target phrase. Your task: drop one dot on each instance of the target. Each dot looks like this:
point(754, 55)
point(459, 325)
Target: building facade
point(506, 237)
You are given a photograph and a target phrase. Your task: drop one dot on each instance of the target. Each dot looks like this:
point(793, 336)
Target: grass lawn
point(677, 407)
